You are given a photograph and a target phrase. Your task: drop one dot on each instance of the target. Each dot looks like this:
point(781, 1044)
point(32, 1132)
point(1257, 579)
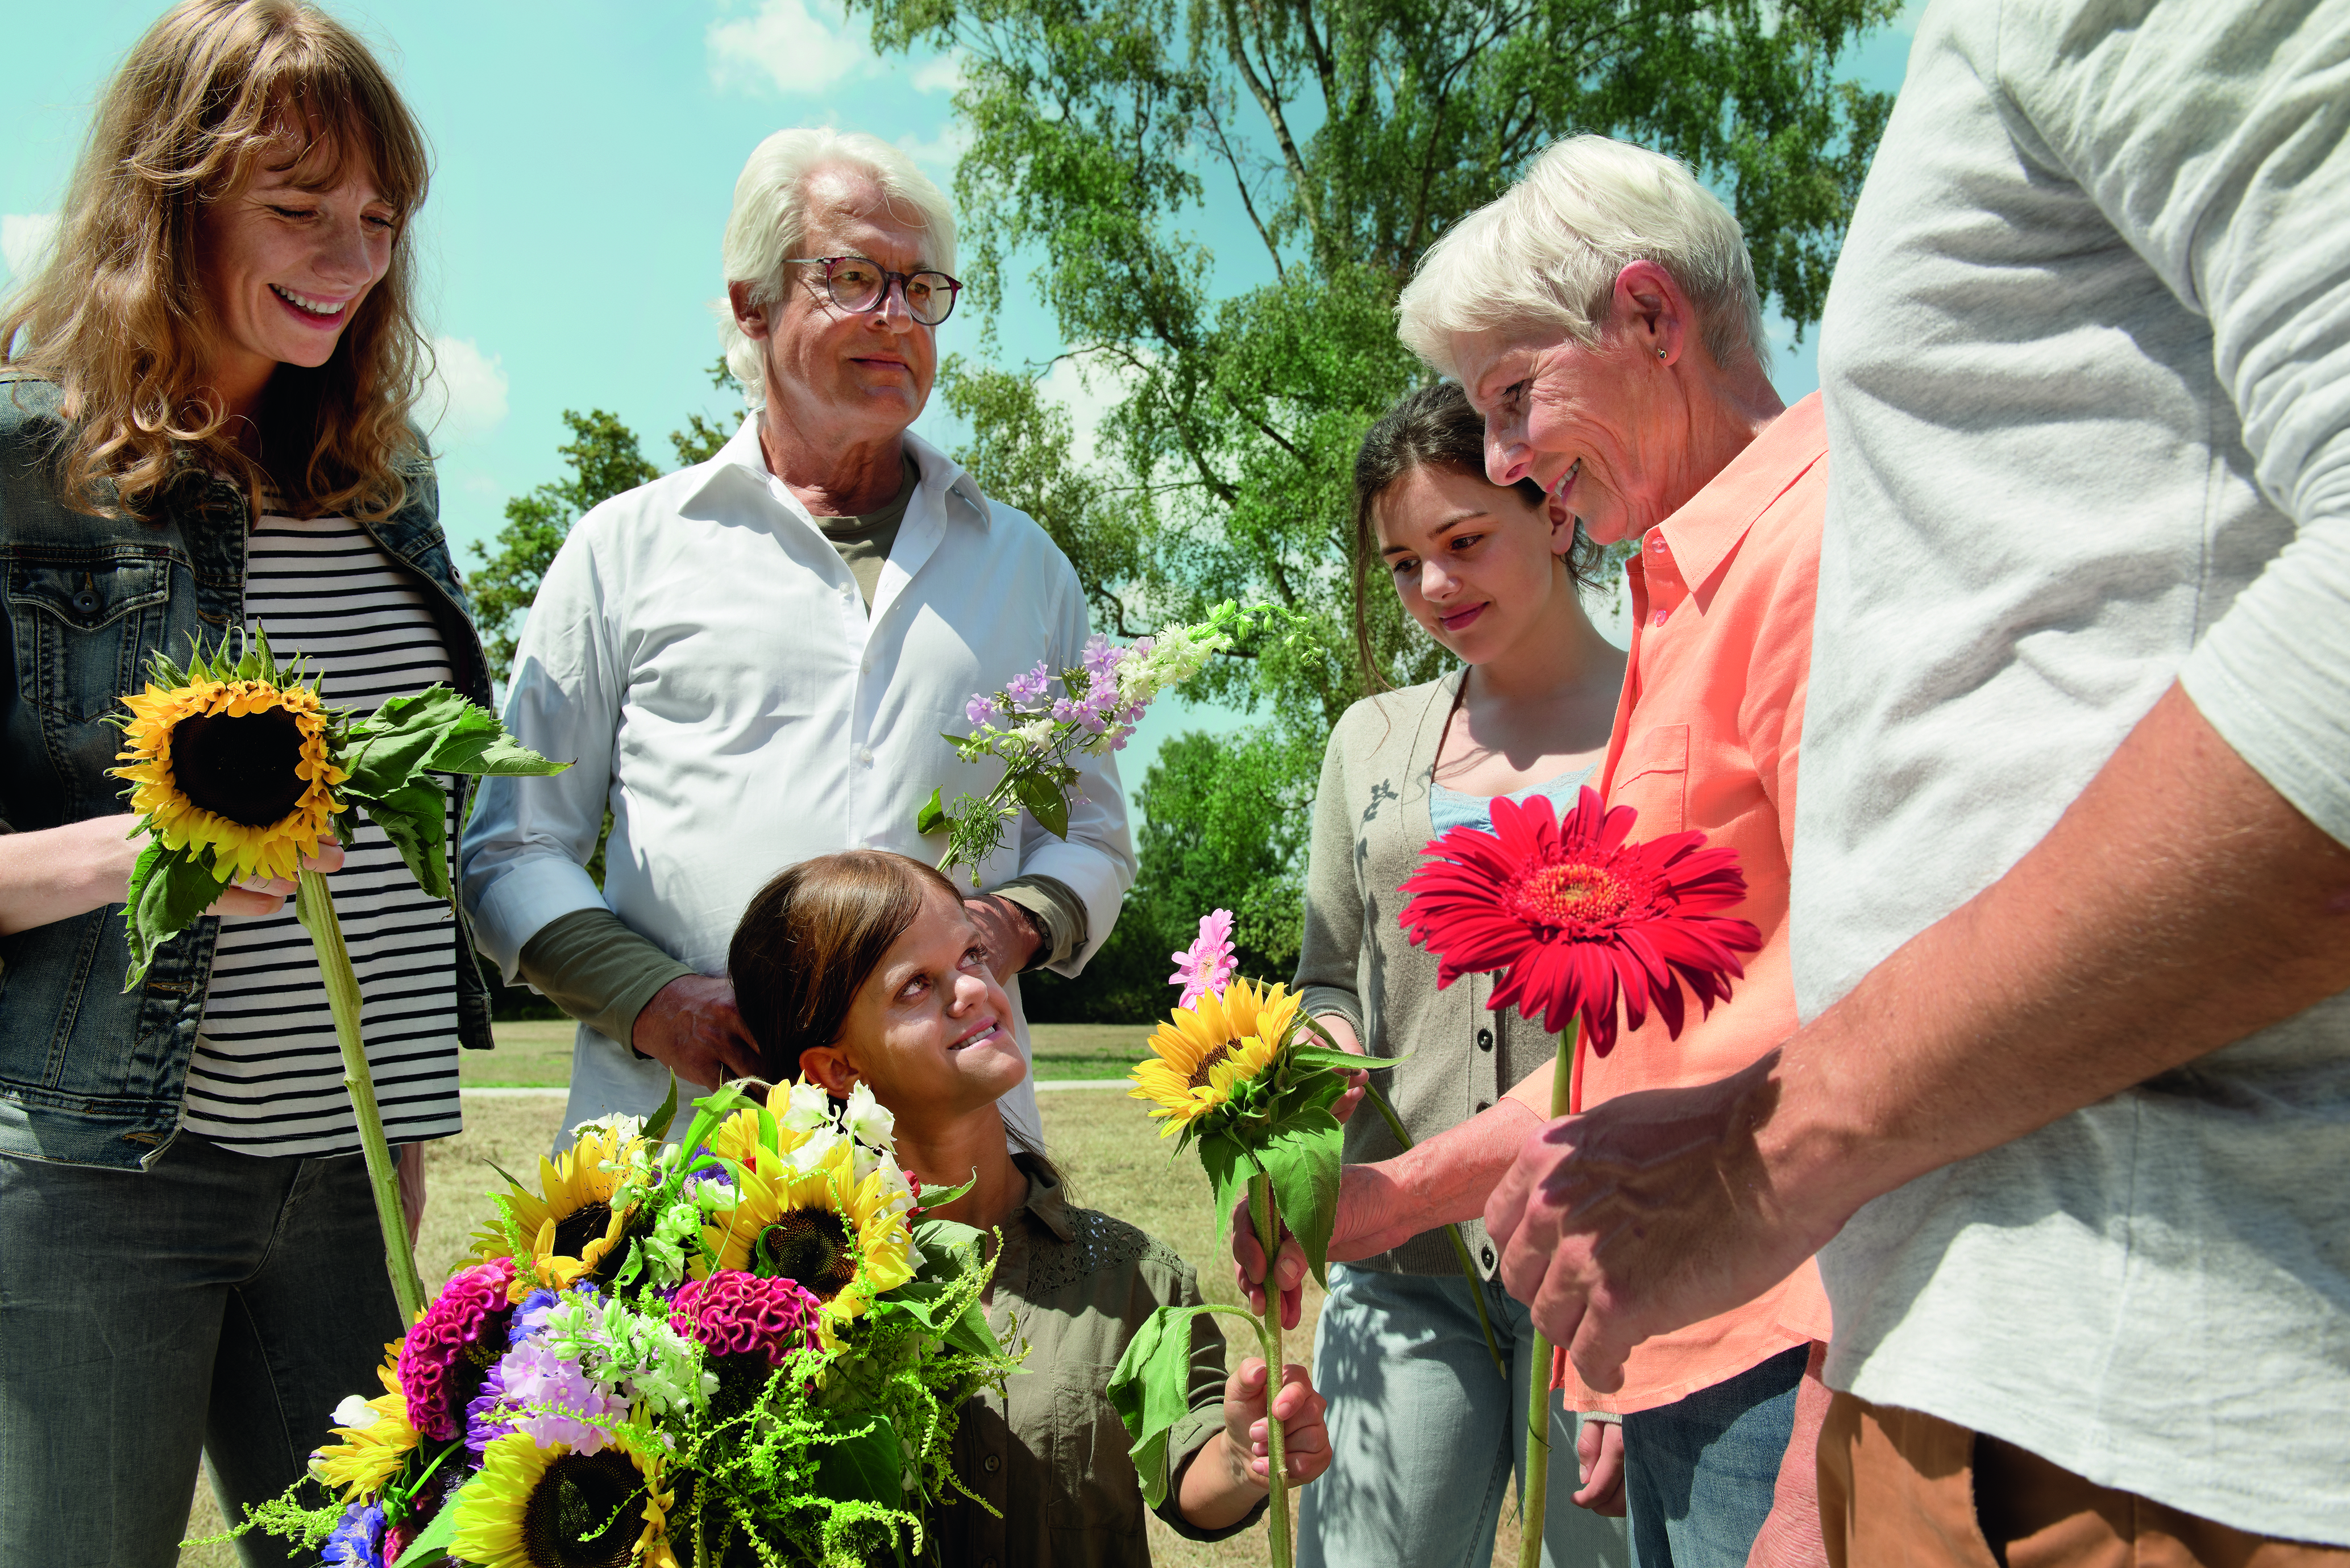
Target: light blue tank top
point(1449, 808)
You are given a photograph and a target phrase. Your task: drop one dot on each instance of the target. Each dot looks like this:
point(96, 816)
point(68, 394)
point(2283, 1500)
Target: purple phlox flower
point(535, 1391)
point(436, 1360)
point(1031, 687)
point(1102, 658)
point(357, 1540)
point(1206, 966)
point(979, 710)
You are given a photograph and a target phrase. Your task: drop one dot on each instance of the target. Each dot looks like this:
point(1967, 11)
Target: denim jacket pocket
point(83, 622)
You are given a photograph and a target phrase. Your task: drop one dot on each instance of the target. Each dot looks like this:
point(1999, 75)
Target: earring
point(1660, 353)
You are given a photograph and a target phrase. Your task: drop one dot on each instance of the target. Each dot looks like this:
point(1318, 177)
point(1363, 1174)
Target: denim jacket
point(89, 1073)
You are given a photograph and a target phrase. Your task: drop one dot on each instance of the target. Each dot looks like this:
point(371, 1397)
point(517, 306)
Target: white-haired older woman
point(1603, 317)
point(754, 658)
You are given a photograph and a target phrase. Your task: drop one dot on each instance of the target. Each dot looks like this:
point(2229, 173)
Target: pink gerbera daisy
point(1570, 918)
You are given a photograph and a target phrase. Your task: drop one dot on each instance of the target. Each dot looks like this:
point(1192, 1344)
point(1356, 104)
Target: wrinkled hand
point(1599, 1460)
point(692, 1027)
point(1304, 1436)
point(267, 895)
point(1011, 943)
point(1248, 1264)
point(1654, 1211)
point(1342, 1033)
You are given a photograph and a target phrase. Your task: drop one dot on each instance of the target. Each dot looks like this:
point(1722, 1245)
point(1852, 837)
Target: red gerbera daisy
point(1572, 917)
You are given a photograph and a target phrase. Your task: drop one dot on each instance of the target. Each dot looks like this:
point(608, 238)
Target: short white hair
point(770, 220)
point(1545, 255)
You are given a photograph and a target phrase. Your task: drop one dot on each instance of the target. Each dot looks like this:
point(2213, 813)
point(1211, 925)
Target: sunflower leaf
point(414, 814)
point(169, 890)
point(1151, 1389)
point(1303, 1161)
point(1229, 1166)
point(436, 730)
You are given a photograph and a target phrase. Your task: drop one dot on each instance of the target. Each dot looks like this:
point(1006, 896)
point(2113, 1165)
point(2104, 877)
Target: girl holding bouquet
point(864, 968)
point(204, 424)
point(1426, 1427)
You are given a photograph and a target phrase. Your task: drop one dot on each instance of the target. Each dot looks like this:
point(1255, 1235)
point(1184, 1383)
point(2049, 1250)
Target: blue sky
point(585, 155)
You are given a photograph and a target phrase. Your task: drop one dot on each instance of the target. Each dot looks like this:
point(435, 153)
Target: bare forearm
point(61, 872)
point(2180, 905)
point(1439, 1183)
point(1217, 1490)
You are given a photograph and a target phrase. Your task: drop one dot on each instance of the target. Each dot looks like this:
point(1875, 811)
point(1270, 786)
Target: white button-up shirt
point(701, 651)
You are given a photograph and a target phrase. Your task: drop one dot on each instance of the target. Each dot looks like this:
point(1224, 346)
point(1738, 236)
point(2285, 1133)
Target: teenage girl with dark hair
point(1425, 1430)
point(865, 967)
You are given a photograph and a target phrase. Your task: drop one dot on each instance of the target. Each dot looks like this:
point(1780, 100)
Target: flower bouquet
point(238, 769)
point(1578, 921)
point(742, 1349)
point(1235, 1073)
point(1035, 734)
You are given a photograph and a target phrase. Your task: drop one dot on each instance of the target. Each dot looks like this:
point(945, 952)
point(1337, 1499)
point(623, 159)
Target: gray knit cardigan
point(1370, 824)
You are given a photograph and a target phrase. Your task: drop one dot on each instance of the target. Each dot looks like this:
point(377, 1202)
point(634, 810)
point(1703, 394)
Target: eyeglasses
point(858, 285)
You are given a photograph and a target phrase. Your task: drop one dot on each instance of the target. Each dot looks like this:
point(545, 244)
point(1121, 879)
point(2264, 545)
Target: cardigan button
point(1486, 1254)
point(1484, 1039)
point(992, 1464)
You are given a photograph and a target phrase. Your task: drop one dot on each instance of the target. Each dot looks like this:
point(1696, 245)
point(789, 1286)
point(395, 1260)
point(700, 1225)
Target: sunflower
point(840, 1239)
point(371, 1455)
point(1206, 1051)
point(534, 1507)
point(573, 1227)
point(240, 767)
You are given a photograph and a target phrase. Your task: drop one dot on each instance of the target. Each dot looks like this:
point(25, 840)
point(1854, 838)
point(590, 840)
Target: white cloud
point(937, 155)
point(466, 400)
point(23, 237)
point(1088, 392)
point(790, 46)
point(943, 74)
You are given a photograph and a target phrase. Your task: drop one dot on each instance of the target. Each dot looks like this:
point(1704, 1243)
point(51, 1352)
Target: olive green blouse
point(1049, 1455)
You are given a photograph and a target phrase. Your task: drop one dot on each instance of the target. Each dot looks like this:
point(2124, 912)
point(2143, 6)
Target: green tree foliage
point(1341, 137)
point(604, 460)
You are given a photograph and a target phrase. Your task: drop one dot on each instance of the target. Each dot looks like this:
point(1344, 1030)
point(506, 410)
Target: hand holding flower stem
point(1268, 1231)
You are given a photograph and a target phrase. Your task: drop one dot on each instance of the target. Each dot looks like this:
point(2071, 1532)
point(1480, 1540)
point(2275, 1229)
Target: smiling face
point(1474, 564)
point(839, 378)
point(284, 267)
point(931, 1030)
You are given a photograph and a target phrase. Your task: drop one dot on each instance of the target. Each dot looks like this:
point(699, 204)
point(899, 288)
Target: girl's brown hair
point(118, 317)
point(1435, 427)
point(811, 939)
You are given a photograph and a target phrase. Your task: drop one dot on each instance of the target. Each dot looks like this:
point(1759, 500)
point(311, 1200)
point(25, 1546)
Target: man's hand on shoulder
point(692, 1027)
point(1011, 937)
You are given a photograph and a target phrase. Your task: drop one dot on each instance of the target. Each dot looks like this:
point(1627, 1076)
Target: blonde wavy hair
point(118, 318)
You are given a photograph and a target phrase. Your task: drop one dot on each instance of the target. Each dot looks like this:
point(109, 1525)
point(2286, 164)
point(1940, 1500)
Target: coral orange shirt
point(1706, 738)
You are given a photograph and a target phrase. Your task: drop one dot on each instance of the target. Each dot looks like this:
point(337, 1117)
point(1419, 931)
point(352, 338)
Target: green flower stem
point(1268, 1233)
point(313, 906)
point(1452, 1234)
point(1565, 1081)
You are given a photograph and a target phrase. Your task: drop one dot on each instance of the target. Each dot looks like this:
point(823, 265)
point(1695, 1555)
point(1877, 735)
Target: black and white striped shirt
point(268, 1077)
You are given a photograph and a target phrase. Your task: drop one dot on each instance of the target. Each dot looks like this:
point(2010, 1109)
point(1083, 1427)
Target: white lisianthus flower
point(811, 1155)
point(617, 1129)
point(869, 1119)
point(810, 1107)
point(354, 1412)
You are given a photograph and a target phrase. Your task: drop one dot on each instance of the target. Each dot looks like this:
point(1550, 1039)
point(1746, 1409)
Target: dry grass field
point(538, 1054)
point(1097, 1136)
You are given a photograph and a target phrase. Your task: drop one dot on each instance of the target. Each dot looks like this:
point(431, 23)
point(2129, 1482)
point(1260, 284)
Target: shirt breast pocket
point(1094, 1487)
point(1653, 780)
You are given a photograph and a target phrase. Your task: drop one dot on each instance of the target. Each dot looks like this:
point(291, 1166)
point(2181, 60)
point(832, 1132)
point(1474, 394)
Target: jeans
point(1700, 1473)
point(1425, 1435)
point(219, 1302)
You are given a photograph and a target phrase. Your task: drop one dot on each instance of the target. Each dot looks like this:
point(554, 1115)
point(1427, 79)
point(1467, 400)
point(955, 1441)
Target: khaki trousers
point(1899, 1489)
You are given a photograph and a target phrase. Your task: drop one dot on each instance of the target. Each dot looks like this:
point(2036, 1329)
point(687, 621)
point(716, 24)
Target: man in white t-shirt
point(756, 660)
point(2071, 1107)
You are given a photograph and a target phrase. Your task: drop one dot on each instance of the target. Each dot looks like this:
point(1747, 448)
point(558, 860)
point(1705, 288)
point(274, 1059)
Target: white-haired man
point(752, 660)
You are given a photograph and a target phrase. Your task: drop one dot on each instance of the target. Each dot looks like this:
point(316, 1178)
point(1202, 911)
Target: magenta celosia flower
point(735, 1313)
point(1206, 966)
point(444, 1352)
point(1571, 917)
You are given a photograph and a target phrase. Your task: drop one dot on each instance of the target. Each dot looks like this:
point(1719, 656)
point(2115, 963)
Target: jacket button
point(1484, 1104)
point(86, 602)
point(1485, 1254)
point(1484, 1039)
point(992, 1465)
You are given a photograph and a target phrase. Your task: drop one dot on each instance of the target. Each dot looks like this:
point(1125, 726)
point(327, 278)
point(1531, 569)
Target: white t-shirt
point(267, 1075)
point(2086, 369)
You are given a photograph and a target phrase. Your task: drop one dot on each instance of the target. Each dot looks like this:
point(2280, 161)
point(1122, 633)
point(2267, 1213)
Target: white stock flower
point(810, 1107)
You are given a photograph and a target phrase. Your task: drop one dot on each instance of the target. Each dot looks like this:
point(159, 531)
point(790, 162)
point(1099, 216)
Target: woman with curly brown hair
point(204, 427)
